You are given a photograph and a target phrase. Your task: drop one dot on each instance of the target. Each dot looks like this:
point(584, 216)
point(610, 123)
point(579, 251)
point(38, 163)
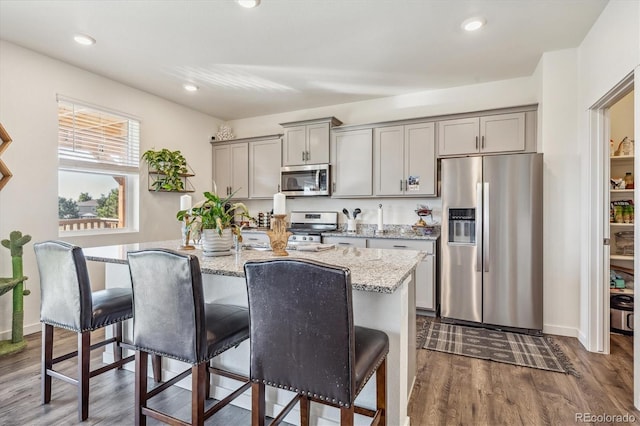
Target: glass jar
point(627, 146)
point(628, 180)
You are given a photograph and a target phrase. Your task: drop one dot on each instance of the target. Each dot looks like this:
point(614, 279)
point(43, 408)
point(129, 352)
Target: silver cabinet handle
point(308, 156)
point(278, 188)
point(406, 185)
point(396, 246)
point(303, 156)
point(344, 244)
point(478, 226)
point(483, 141)
point(334, 187)
point(400, 184)
point(476, 142)
point(485, 232)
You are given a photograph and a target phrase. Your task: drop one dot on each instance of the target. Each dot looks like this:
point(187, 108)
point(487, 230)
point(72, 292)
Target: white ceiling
point(287, 55)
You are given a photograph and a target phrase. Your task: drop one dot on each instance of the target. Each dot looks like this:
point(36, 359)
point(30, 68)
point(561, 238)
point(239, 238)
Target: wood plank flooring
point(449, 389)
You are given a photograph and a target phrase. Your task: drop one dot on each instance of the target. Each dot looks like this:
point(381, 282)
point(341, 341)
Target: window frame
point(130, 173)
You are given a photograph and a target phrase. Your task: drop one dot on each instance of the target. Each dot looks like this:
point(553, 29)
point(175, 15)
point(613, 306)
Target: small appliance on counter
point(622, 314)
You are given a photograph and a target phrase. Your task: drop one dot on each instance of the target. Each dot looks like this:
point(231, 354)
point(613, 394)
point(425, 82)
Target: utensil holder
point(352, 226)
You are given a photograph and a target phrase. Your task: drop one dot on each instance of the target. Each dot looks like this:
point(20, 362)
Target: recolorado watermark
point(604, 418)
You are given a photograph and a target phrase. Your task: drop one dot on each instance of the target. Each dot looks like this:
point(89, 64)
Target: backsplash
point(396, 211)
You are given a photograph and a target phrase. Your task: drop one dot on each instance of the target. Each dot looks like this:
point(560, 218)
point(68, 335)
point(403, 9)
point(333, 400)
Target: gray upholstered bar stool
point(171, 319)
point(303, 340)
point(68, 302)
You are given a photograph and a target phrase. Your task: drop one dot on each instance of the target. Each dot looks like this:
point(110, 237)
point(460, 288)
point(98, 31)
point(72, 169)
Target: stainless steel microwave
point(305, 180)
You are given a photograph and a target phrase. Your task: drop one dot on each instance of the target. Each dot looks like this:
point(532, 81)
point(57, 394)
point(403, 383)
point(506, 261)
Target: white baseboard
point(29, 329)
point(560, 330)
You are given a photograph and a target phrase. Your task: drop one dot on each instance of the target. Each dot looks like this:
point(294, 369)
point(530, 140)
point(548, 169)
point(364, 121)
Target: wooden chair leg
point(141, 387)
point(346, 416)
point(117, 349)
point(207, 389)
point(199, 374)
point(305, 407)
point(47, 361)
point(156, 364)
point(257, 404)
point(84, 357)
point(381, 391)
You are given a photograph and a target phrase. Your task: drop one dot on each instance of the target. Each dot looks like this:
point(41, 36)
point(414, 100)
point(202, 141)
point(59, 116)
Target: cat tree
point(16, 283)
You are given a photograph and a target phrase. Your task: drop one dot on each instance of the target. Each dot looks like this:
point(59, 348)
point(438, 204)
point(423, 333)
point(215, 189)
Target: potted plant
point(169, 168)
point(214, 217)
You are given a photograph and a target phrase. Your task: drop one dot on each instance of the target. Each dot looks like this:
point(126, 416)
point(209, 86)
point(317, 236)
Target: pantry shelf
point(620, 257)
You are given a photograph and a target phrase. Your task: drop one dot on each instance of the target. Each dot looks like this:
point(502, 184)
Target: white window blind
point(89, 137)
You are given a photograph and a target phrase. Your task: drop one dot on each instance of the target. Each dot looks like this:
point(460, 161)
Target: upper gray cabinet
point(230, 169)
point(487, 134)
point(404, 160)
point(264, 167)
point(307, 142)
point(351, 165)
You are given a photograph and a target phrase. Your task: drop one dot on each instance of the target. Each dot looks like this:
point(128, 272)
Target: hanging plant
point(170, 167)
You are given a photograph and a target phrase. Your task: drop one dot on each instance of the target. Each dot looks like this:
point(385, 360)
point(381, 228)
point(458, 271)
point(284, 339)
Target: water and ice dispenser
point(462, 226)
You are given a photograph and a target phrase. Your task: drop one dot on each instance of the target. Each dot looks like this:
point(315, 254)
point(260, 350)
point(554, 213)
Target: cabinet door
point(317, 143)
point(346, 242)
point(388, 160)
point(420, 159)
point(240, 170)
point(294, 146)
point(459, 136)
point(222, 170)
point(264, 168)
point(425, 284)
point(502, 133)
point(351, 158)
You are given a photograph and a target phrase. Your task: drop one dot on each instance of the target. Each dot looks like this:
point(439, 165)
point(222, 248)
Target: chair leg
point(207, 389)
point(346, 416)
point(257, 404)
point(47, 361)
point(141, 387)
point(84, 357)
point(199, 374)
point(117, 349)
point(156, 364)
point(381, 391)
point(305, 408)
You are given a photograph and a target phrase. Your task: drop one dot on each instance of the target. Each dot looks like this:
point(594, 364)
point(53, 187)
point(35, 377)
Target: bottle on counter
point(628, 180)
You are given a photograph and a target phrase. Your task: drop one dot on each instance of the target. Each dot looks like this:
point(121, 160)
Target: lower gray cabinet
point(426, 297)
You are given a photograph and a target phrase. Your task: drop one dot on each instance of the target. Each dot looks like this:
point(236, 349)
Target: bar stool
point(68, 302)
point(171, 319)
point(303, 340)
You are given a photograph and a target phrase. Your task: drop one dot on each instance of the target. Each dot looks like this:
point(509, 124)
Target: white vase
point(213, 242)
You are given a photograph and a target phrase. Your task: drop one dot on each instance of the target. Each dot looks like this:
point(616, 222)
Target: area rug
point(500, 346)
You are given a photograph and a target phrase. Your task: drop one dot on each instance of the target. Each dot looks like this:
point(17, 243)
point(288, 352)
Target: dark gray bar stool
point(171, 319)
point(303, 340)
point(68, 302)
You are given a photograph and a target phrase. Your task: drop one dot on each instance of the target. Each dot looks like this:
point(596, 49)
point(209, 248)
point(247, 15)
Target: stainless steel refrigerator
point(491, 270)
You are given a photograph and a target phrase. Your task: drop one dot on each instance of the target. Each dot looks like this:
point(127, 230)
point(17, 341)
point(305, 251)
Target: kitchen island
point(383, 298)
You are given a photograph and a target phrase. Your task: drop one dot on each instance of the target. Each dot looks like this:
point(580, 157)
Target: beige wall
point(621, 119)
point(29, 83)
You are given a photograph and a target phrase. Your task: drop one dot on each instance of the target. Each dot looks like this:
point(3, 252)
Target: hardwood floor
point(449, 389)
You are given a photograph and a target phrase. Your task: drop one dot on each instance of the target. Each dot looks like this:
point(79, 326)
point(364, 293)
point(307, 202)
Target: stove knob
point(304, 238)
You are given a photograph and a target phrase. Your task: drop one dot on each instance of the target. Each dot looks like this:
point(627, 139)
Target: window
point(98, 169)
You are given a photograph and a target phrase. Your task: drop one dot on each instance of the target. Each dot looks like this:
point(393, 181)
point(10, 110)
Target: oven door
point(305, 180)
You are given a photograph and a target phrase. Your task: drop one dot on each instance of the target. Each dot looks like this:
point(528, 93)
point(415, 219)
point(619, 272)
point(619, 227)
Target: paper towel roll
point(380, 222)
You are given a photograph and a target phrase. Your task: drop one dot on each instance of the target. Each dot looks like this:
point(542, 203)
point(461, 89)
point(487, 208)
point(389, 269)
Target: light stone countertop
point(376, 270)
point(401, 232)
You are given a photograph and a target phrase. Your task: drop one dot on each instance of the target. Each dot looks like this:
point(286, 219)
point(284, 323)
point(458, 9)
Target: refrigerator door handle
point(485, 231)
point(479, 222)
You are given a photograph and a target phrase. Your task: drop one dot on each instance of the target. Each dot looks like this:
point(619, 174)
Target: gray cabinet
point(231, 169)
point(426, 284)
point(405, 160)
point(307, 142)
point(425, 271)
point(351, 167)
point(485, 134)
point(264, 167)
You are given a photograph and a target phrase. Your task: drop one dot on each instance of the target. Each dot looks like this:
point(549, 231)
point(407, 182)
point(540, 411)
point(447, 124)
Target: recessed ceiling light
point(84, 40)
point(473, 24)
point(190, 87)
point(248, 3)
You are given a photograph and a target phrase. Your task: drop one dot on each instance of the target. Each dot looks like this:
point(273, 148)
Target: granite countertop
point(376, 270)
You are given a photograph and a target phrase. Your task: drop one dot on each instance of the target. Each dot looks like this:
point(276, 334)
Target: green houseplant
point(169, 167)
point(214, 217)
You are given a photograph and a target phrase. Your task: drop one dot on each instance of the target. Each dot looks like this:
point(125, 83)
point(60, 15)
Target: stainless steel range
point(307, 226)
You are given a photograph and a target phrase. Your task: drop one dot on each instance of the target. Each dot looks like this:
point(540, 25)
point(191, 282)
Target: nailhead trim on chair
point(66, 327)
